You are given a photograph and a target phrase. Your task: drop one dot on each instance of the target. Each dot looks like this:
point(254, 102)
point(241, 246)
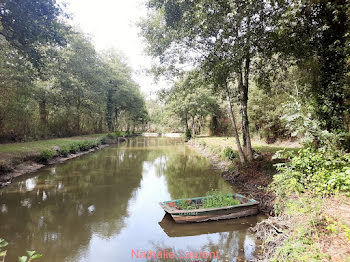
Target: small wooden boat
point(247, 207)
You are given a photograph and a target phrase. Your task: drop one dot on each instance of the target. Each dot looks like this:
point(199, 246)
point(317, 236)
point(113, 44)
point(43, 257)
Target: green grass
point(218, 144)
point(38, 146)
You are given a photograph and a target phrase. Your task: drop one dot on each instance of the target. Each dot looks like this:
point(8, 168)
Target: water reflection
point(102, 206)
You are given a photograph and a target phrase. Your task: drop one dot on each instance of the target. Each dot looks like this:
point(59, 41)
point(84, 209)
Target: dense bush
point(116, 134)
point(103, 140)
point(318, 171)
point(46, 155)
point(87, 145)
point(74, 148)
point(228, 153)
point(188, 135)
point(64, 150)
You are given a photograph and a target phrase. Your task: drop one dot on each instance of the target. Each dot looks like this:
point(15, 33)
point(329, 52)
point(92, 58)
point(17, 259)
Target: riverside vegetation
point(45, 150)
point(262, 85)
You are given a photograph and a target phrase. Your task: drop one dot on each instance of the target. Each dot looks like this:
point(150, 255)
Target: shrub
point(188, 135)
point(228, 153)
point(46, 154)
point(319, 171)
point(64, 151)
point(111, 136)
point(345, 141)
point(103, 140)
point(87, 145)
point(74, 148)
point(120, 134)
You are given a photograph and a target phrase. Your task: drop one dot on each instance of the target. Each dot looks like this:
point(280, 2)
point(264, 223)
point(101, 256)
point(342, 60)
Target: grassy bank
point(218, 144)
point(41, 151)
point(311, 219)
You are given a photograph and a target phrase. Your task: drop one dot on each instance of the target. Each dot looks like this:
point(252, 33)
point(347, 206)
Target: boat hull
point(240, 212)
point(248, 208)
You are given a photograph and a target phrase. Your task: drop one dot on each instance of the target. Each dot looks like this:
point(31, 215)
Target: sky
point(112, 24)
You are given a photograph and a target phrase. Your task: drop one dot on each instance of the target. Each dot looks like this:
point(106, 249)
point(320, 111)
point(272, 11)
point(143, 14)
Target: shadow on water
point(103, 206)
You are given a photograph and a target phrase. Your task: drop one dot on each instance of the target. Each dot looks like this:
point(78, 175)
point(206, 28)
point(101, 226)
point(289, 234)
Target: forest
point(53, 81)
point(262, 85)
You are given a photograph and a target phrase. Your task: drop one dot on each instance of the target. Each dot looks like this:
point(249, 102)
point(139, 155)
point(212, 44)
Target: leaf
point(3, 243)
point(3, 253)
point(36, 256)
point(30, 253)
point(22, 259)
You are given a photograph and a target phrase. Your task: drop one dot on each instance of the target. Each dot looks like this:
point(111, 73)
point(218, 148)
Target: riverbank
point(18, 159)
point(302, 227)
point(252, 180)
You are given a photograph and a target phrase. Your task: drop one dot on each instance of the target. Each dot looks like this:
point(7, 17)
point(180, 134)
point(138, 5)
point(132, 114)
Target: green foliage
point(116, 134)
point(46, 155)
point(190, 100)
point(27, 24)
point(336, 227)
point(31, 255)
point(188, 135)
point(318, 171)
point(119, 133)
point(64, 150)
point(3, 244)
point(103, 140)
point(81, 146)
point(318, 33)
point(87, 145)
point(215, 199)
point(219, 199)
point(228, 153)
point(299, 243)
point(95, 90)
point(74, 148)
point(187, 204)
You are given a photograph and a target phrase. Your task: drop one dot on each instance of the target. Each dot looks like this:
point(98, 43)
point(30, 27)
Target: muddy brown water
point(104, 207)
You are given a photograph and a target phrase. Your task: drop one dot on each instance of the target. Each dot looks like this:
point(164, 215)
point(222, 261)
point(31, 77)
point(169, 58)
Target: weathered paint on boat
point(247, 207)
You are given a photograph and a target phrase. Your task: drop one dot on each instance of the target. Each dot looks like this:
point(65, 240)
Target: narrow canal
point(104, 206)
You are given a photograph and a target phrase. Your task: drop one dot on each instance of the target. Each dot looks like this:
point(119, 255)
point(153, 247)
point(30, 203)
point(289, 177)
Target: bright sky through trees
point(112, 24)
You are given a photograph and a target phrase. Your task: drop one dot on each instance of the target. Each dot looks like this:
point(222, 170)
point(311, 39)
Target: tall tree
point(315, 33)
point(28, 24)
point(216, 32)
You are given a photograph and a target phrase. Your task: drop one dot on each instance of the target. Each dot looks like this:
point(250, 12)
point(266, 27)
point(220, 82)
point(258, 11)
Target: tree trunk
point(78, 119)
point(234, 125)
point(43, 118)
point(43, 113)
point(243, 97)
point(109, 109)
point(186, 122)
point(193, 127)
point(116, 111)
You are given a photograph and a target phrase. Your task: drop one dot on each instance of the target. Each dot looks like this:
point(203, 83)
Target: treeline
point(279, 69)
point(53, 83)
